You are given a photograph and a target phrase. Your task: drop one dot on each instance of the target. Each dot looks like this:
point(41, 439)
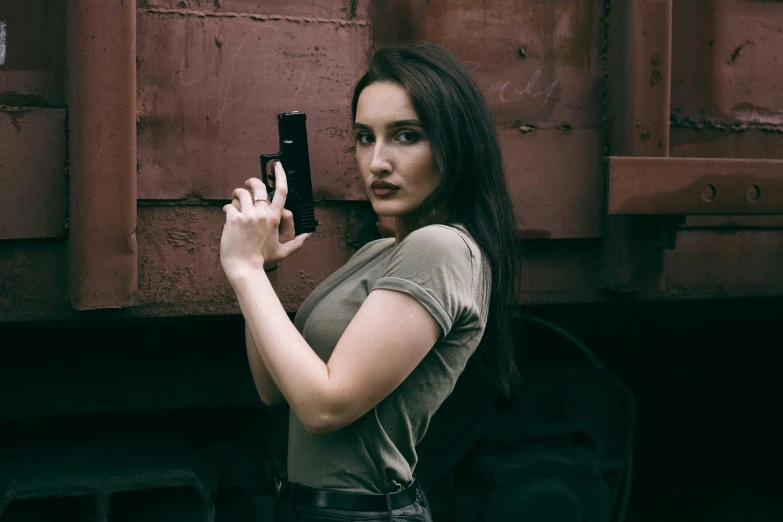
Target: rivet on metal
point(709, 193)
point(753, 194)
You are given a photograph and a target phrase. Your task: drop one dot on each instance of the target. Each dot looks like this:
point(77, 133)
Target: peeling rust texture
point(307, 8)
point(179, 259)
point(641, 111)
point(705, 143)
point(103, 259)
point(256, 17)
point(695, 186)
point(681, 121)
point(733, 68)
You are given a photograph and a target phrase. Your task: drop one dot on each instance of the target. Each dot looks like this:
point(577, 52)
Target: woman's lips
point(383, 189)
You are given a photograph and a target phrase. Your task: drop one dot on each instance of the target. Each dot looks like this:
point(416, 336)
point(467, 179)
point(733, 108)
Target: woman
point(379, 345)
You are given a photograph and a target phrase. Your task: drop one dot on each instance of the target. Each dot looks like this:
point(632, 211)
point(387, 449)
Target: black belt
point(325, 498)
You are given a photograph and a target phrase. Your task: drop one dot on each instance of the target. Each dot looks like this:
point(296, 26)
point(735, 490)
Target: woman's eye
point(408, 137)
point(364, 139)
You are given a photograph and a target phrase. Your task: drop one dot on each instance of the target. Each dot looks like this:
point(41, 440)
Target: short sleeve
point(434, 265)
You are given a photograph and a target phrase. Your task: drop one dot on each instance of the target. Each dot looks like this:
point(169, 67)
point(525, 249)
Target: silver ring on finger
point(256, 199)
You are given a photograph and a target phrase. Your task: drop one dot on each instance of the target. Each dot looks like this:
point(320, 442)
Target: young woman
point(378, 346)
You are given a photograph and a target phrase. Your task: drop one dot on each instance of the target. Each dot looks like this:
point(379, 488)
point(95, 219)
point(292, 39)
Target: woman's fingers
point(257, 187)
point(245, 199)
point(295, 244)
point(231, 210)
point(281, 187)
point(287, 231)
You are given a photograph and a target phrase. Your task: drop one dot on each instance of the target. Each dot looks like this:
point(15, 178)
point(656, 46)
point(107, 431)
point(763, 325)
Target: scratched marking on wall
point(502, 91)
point(2, 43)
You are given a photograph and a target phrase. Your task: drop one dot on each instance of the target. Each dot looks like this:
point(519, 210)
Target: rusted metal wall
point(34, 188)
point(211, 75)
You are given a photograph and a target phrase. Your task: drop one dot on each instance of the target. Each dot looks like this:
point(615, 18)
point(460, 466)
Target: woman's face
point(393, 151)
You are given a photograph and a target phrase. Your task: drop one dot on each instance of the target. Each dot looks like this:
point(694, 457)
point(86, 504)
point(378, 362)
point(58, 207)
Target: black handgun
point(295, 157)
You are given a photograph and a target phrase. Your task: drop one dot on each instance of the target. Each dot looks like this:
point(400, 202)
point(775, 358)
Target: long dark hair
point(467, 153)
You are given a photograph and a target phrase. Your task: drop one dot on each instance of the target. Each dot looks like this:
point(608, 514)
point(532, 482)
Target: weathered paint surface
point(209, 88)
point(739, 76)
point(335, 9)
point(101, 58)
point(567, 176)
point(180, 263)
point(32, 173)
point(539, 66)
point(688, 186)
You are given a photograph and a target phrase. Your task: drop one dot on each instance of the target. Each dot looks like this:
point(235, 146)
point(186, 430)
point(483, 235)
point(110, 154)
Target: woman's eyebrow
point(392, 125)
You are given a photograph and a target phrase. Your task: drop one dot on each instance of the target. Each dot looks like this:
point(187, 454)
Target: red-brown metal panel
point(32, 135)
point(33, 186)
point(539, 66)
point(180, 273)
point(544, 184)
point(342, 9)
point(179, 255)
point(729, 102)
point(713, 143)
point(210, 86)
point(103, 262)
point(34, 67)
point(738, 76)
point(695, 186)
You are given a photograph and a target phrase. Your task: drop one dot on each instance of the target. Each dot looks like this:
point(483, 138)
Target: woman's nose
point(379, 162)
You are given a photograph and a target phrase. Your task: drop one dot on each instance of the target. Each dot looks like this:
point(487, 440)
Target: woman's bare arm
point(375, 354)
point(388, 337)
point(266, 387)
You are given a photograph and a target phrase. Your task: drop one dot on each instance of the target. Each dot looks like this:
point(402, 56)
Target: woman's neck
point(405, 225)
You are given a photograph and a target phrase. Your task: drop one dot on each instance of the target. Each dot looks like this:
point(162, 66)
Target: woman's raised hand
point(258, 232)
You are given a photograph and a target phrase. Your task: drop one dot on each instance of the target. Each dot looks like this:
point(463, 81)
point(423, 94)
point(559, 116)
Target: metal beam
point(103, 257)
point(639, 50)
point(656, 186)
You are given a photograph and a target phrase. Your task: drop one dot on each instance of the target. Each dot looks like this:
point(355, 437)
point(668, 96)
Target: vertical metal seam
point(103, 254)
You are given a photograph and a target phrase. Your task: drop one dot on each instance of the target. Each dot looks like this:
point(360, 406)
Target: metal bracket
point(694, 186)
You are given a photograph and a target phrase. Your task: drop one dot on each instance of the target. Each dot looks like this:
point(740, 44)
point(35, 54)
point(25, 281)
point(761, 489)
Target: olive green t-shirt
point(442, 268)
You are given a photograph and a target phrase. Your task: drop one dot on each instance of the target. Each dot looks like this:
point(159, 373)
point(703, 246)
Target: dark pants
point(286, 511)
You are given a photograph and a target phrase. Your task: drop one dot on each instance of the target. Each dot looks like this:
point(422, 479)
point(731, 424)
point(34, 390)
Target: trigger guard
point(265, 159)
